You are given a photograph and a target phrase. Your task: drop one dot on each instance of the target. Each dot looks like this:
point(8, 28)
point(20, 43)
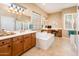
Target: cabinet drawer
point(18, 38)
point(5, 50)
point(6, 41)
point(27, 36)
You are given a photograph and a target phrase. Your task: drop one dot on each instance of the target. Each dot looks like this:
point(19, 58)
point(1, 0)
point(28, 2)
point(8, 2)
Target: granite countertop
point(17, 33)
point(52, 29)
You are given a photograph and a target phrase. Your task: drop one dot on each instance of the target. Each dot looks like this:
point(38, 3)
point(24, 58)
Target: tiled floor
point(61, 47)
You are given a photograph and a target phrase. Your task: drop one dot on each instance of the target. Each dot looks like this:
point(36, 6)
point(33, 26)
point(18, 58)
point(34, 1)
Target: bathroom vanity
point(17, 44)
point(56, 32)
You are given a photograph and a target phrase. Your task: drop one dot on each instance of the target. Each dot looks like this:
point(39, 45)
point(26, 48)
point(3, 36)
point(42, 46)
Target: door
point(5, 50)
point(77, 30)
point(69, 21)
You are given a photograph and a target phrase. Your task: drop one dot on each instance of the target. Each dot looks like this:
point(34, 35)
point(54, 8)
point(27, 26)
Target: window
point(36, 21)
point(43, 21)
point(69, 21)
point(7, 23)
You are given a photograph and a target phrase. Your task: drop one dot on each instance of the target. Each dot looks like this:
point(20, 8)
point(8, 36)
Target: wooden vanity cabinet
point(18, 47)
point(5, 47)
point(57, 33)
point(23, 43)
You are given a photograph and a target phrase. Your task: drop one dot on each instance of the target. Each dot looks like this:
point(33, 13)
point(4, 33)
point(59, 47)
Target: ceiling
point(54, 7)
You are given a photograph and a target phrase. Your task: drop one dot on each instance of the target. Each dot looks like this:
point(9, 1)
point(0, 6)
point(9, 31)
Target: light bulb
point(9, 11)
point(10, 8)
point(20, 11)
point(13, 11)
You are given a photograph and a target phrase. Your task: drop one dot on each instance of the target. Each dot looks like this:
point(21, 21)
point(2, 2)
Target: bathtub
point(44, 40)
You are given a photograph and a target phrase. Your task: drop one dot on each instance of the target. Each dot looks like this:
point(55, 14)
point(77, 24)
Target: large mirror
point(22, 22)
point(11, 21)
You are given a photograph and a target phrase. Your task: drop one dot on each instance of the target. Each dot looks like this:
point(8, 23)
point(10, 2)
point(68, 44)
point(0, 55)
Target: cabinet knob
point(21, 41)
point(2, 42)
point(9, 46)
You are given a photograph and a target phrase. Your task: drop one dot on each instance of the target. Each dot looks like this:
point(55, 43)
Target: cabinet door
point(27, 43)
point(33, 40)
point(5, 50)
point(17, 46)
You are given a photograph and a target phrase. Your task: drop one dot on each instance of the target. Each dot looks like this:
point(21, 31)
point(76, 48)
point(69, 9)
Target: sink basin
point(6, 33)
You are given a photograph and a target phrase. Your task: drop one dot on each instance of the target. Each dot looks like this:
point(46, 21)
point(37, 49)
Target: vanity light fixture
point(13, 8)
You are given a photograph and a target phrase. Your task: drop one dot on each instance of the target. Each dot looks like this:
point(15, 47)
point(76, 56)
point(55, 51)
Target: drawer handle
point(21, 41)
point(9, 46)
point(2, 42)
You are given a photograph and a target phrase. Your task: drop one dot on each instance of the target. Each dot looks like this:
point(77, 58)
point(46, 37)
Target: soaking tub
point(44, 40)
